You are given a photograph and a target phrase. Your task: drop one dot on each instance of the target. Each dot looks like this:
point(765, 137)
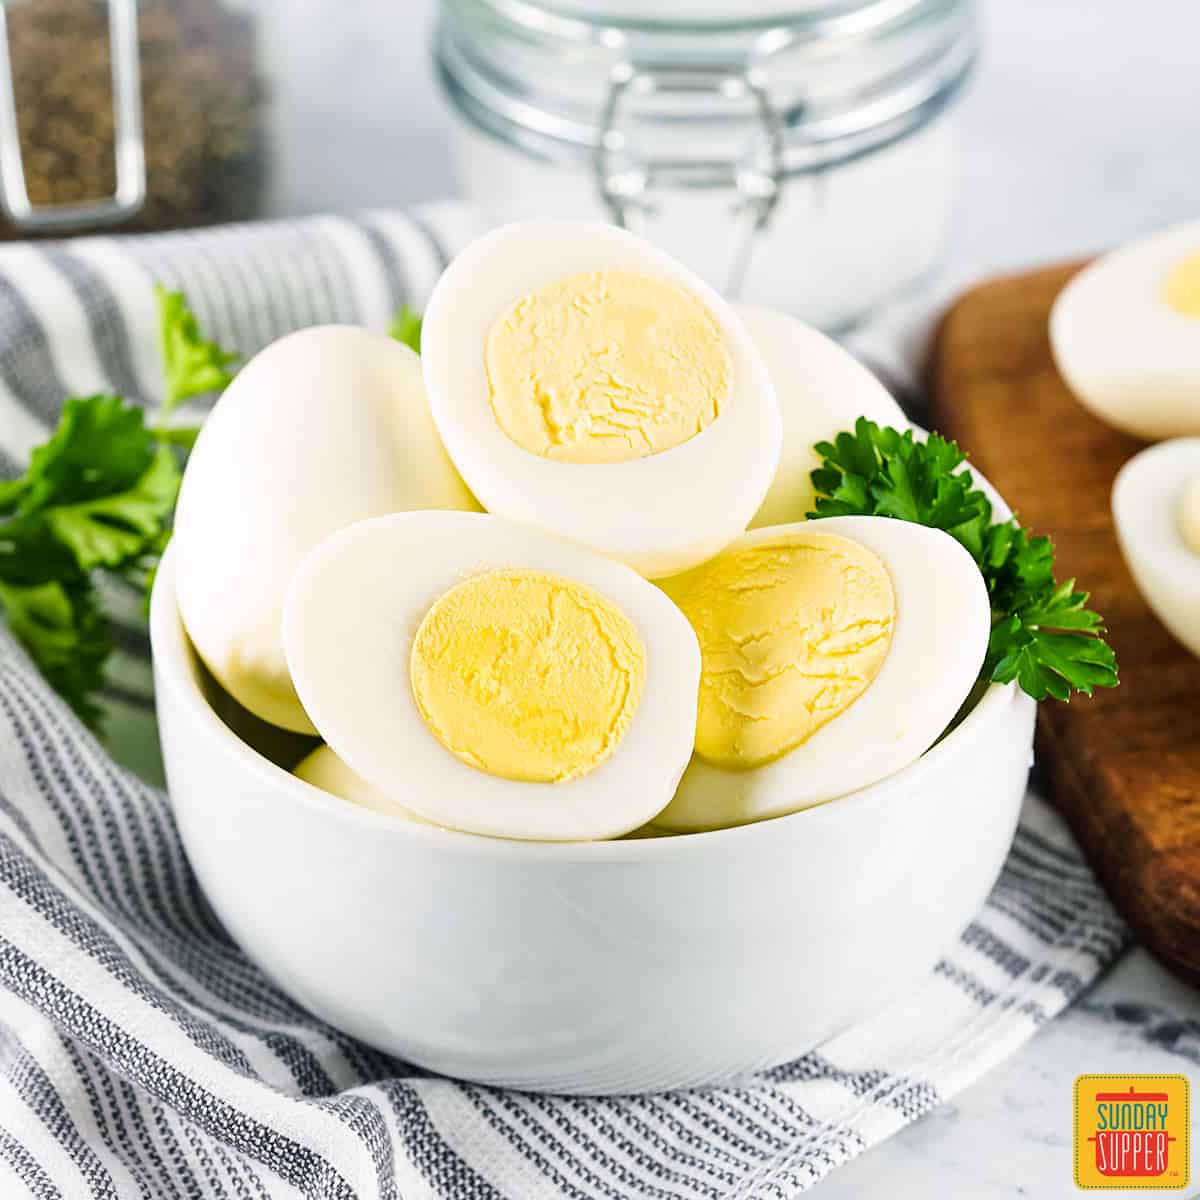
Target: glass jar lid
point(654, 102)
point(826, 80)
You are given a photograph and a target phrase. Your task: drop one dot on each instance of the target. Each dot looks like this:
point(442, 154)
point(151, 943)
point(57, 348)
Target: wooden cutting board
point(1124, 766)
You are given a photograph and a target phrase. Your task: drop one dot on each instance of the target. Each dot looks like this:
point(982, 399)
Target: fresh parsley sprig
point(94, 496)
point(1043, 634)
point(98, 495)
point(192, 365)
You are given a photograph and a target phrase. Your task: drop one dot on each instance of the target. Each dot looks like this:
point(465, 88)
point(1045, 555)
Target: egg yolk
point(1188, 516)
point(1183, 287)
point(606, 366)
point(526, 675)
point(792, 631)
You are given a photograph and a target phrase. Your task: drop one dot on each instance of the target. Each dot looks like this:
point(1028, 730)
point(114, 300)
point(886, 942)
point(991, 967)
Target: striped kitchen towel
point(141, 1055)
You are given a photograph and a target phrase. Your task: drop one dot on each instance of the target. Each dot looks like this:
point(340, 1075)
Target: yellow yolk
point(791, 632)
point(526, 675)
point(1188, 516)
point(1183, 287)
point(605, 367)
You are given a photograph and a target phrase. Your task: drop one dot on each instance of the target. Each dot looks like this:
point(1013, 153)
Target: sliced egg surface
point(834, 652)
point(494, 678)
point(323, 428)
point(1126, 335)
point(821, 390)
point(323, 769)
point(1156, 510)
point(585, 382)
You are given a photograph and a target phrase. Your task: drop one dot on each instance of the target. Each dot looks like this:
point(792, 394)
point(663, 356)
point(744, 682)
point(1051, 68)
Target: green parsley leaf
point(66, 635)
point(97, 494)
point(102, 486)
point(1043, 635)
point(99, 446)
point(406, 328)
point(110, 530)
point(890, 474)
point(192, 365)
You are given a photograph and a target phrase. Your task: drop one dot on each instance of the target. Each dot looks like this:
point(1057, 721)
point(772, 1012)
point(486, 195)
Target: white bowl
point(591, 967)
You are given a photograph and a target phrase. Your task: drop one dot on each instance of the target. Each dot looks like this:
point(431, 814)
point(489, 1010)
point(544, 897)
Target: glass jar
point(799, 155)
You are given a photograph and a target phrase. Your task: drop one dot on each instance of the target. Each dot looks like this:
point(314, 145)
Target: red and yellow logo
point(1131, 1131)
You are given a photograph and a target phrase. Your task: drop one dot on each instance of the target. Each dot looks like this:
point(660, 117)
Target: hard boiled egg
point(493, 678)
point(821, 389)
point(1156, 509)
point(323, 769)
point(585, 382)
point(834, 652)
point(323, 428)
point(1126, 335)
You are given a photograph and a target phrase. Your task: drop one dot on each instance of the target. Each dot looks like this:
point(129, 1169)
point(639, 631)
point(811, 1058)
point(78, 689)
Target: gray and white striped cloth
point(141, 1055)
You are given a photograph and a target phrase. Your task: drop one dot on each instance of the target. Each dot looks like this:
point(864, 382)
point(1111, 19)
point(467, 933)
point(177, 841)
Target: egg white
point(1122, 349)
point(821, 389)
point(660, 514)
point(938, 644)
point(1145, 506)
point(350, 617)
point(324, 427)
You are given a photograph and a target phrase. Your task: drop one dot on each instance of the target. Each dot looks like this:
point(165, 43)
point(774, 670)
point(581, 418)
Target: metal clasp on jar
point(130, 191)
point(627, 183)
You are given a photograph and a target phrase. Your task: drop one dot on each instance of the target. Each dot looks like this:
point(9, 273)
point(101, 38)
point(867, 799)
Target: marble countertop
point(1081, 130)
point(1010, 1133)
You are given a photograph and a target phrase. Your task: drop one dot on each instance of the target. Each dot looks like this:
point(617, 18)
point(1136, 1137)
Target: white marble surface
point(1082, 129)
point(1010, 1133)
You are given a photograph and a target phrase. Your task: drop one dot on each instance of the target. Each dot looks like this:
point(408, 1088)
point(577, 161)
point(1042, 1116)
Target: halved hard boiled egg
point(585, 382)
point(821, 389)
point(492, 677)
point(325, 770)
point(834, 652)
point(321, 429)
point(1126, 335)
point(1156, 510)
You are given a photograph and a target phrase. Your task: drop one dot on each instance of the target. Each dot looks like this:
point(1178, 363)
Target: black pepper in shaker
point(201, 109)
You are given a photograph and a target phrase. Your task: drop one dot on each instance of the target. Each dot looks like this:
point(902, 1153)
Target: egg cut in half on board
point(494, 678)
point(1126, 335)
point(324, 427)
point(821, 390)
point(1156, 510)
point(834, 652)
point(585, 382)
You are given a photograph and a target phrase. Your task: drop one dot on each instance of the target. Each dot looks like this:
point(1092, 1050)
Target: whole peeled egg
point(1126, 335)
point(585, 382)
point(1156, 511)
point(821, 390)
point(323, 428)
point(834, 652)
point(493, 678)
